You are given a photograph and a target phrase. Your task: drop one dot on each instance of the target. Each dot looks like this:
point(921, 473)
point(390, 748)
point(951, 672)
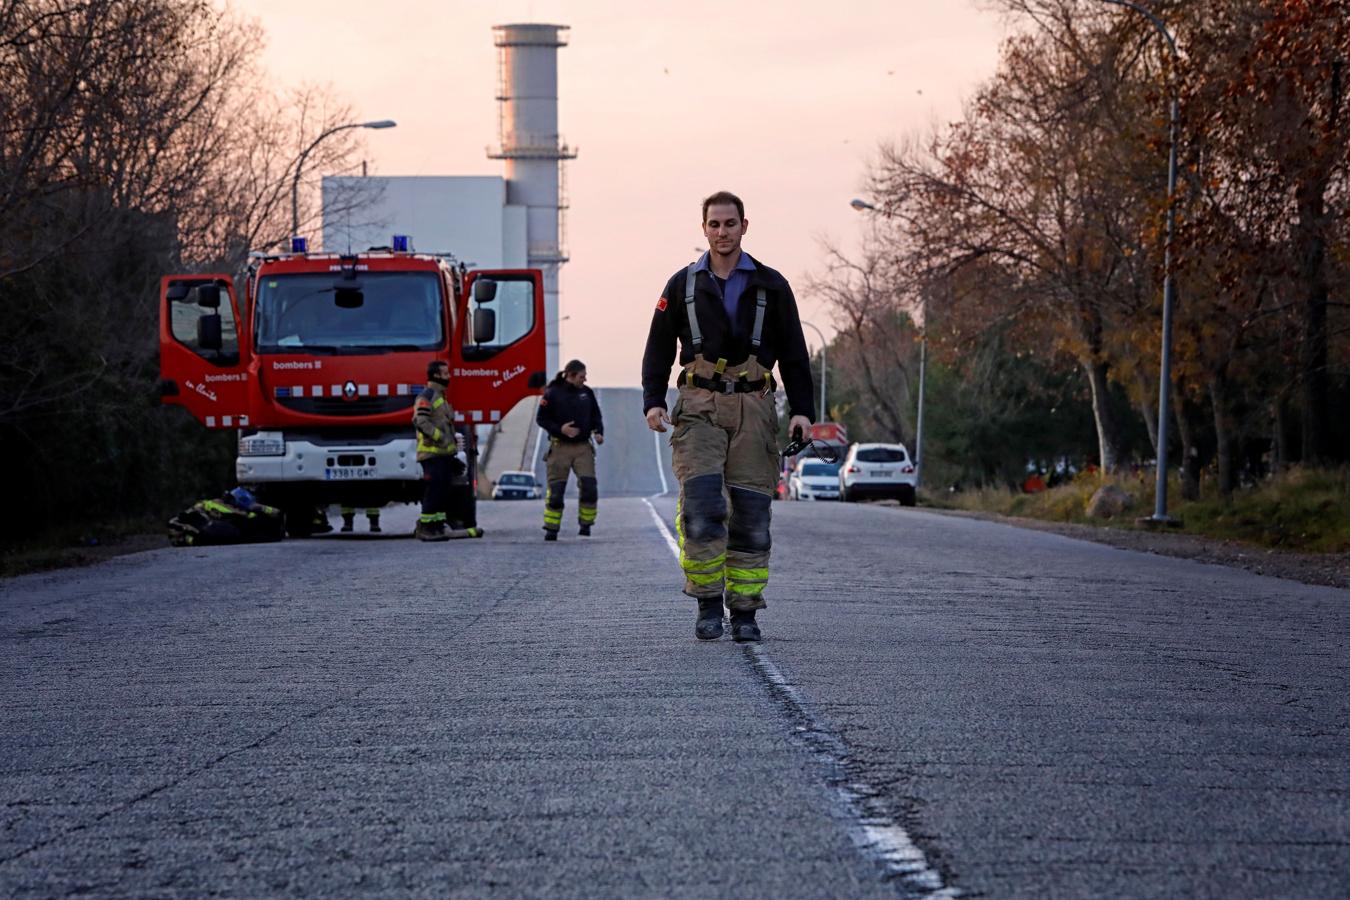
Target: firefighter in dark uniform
point(438, 446)
point(570, 414)
point(734, 318)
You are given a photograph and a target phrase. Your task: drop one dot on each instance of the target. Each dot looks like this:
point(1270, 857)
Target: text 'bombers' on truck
point(319, 365)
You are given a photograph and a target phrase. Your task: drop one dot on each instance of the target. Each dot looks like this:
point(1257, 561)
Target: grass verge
point(1306, 510)
point(83, 546)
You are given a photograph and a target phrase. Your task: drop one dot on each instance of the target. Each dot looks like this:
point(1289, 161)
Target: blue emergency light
point(299, 245)
point(402, 243)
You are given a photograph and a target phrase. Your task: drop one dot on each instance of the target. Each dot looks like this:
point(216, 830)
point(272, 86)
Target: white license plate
point(349, 473)
point(882, 473)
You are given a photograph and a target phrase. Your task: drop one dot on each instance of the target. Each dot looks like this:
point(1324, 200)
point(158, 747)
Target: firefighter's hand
point(570, 429)
point(599, 438)
point(656, 416)
point(801, 422)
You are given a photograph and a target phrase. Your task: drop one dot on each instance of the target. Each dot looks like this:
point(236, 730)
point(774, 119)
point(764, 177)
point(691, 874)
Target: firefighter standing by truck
point(734, 318)
point(438, 446)
point(349, 519)
point(570, 414)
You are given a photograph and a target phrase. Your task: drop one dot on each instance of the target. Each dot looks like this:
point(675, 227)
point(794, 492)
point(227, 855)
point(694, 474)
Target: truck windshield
point(393, 311)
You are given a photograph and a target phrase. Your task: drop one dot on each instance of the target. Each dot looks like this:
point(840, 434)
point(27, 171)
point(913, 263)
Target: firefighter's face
point(724, 229)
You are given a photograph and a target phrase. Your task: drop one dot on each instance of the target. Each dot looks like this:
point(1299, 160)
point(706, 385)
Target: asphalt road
point(942, 706)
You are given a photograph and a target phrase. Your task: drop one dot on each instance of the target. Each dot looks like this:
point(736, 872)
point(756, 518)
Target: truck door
point(499, 358)
point(201, 357)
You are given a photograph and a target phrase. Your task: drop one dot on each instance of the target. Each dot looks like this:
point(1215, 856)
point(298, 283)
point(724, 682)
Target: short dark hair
point(722, 197)
point(435, 366)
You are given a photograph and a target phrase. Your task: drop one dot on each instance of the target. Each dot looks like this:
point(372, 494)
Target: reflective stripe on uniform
point(690, 279)
point(747, 582)
point(703, 571)
point(759, 319)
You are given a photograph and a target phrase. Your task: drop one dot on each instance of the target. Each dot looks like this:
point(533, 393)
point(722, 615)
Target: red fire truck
point(317, 364)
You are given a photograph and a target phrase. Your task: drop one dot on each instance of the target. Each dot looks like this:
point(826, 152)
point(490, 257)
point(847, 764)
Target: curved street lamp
point(300, 163)
point(863, 206)
point(1160, 516)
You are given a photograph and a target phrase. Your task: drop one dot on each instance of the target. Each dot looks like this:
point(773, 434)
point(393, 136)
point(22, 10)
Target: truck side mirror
point(208, 296)
point(208, 331)
point(484, 290)
point(484, 325)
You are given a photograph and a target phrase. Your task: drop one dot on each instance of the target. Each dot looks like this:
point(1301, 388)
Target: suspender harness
point(717, 382)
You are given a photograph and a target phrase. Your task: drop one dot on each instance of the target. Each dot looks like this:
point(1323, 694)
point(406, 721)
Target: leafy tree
point(133, 141)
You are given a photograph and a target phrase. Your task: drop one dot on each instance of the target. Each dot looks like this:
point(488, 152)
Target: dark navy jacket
point(563, 403)
point(781, 342)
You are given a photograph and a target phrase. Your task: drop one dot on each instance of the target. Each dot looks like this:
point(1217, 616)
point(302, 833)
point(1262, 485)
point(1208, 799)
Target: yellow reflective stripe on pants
point(747, 582)
point(703, 572)
point(552, 517)
point(430, 518)
point(586, 515)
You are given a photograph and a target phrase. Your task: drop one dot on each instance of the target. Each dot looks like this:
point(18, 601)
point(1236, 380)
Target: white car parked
point(516, 486)
point(813, 479)
point(878, 470)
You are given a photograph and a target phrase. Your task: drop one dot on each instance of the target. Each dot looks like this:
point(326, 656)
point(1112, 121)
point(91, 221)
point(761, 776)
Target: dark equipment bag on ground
point(236, 518)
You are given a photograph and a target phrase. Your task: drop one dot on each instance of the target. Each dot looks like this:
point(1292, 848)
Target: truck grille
point(336, 406)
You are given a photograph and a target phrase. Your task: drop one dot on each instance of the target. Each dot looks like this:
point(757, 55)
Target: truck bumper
point(307, 461)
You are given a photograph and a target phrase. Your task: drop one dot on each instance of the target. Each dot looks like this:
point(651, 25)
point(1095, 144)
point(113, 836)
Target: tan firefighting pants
point(725, 449)
point(565, 457)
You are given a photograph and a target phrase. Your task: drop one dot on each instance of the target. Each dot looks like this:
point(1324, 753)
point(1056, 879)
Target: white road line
point(665, 532)
point(873, 830)
point(660, 470)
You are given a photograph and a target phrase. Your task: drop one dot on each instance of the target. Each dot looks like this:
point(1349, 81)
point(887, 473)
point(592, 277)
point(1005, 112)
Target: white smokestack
point(527, 80)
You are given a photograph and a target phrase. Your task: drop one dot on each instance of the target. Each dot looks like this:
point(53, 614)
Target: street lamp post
point(918, 427)
point(862, 205)
point(300, 163)
point(823, 408)
point(1165, 368)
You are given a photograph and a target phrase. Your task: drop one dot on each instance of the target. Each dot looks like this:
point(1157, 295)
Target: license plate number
point(349, 473)
point(882, 473)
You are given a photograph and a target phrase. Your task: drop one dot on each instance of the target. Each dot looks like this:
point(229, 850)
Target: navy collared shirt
point(733, 287)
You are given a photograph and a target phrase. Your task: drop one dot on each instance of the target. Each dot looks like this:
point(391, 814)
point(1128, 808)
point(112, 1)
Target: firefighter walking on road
point(437, 449)
point(570, 414)
point(734, 318)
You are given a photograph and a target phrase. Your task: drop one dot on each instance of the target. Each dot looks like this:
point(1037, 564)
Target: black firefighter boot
point(708, 626)
point(743, 627)
point(348, 522)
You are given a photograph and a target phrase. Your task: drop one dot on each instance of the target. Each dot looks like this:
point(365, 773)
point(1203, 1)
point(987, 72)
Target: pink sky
point(780, 102)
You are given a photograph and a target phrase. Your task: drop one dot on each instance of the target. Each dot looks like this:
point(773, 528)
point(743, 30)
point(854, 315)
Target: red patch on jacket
point(661, 304)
